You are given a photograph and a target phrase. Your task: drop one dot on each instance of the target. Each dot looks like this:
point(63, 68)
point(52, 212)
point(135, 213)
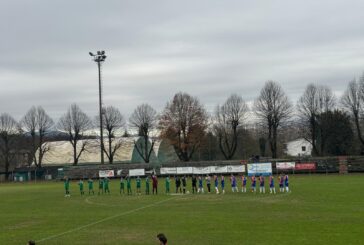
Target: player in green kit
point(106, 185)
point(90, 186)
point(67, 187)
point(122, 185)
point(128, 185)
point(80, 183)
point(168, 182)
point(101, 186)
point(147, 185)
point(138, 185)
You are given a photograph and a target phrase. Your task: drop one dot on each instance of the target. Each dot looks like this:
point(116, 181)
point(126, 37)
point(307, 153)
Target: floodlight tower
point(99, 58)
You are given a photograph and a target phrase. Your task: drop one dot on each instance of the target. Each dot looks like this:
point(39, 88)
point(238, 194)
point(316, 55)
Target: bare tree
point(113, 122)
point(273, 109)
point(37, 122)
point(75, 123)
point(314, 101)
point(183, 123)
point(327, 102)
point(144, 119)
point(352, 100)
point(9, 131)
point(308, 108)
point(228, 118)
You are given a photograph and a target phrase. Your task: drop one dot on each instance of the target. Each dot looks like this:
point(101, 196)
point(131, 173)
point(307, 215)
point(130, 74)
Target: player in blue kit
point(286, 182)
point(216, 184)
point(234, 188)
point(200, 185)
point(254, 182)
point(272, 189)
point(281, 179)
point(261, 184)
point(243, 184)
point(222, 184)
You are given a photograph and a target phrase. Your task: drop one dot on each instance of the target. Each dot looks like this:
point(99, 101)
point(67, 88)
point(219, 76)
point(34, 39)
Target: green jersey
point(147, 182)
point(138, 182)
point(67, 184)
point(128, 184)
point(101, 184)
point(81, 185)
point(121, 183)
point(168, 181)
point(90, 184)
point(106, 183)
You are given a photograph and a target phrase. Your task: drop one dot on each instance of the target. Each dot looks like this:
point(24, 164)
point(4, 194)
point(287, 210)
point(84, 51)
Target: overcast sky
point(209, 49)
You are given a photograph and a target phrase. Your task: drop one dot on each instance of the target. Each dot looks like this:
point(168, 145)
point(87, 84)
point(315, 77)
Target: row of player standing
point(103, 186)
point(138, 185)
point(283, 184)
point(181, 184)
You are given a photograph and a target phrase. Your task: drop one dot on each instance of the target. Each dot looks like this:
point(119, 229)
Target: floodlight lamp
point(91, 54)
point(102, 52)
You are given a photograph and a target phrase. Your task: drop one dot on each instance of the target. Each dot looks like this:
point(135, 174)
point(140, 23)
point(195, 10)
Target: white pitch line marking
point(103, 220)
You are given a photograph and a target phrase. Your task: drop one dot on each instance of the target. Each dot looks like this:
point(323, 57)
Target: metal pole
point(100, 105)
point(100, 57)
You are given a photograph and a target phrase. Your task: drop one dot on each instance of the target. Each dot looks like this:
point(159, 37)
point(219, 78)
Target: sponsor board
point(235, 168)
point(201, 170)
point(218, 169)
point(305, 166)
point(184, 170)
point(106, 173)
point(137, 172)
point(285, 165)
point(264, 169)
point(168, 170)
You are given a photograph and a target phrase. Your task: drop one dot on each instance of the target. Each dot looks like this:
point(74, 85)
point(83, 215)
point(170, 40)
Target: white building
point(298, 147)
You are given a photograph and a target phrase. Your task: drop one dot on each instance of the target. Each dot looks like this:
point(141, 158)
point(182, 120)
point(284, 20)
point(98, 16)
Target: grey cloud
point(157, 48)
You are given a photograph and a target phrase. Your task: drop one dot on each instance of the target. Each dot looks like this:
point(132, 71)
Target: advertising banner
point(218, 169)
point(285, 165)
point(168, 170)
point(119, 172)
point(137, 172)
point(305, 166)
point(106, 173)
point(257, 169)
point(184, 170)
point(201, 170)
point(235, 168)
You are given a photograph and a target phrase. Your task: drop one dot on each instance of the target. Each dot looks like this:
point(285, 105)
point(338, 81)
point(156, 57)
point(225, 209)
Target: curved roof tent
point(61, 152)
point(165, 151)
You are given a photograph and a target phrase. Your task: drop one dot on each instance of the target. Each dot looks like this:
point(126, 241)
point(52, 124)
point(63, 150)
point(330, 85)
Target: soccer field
point(319, 210)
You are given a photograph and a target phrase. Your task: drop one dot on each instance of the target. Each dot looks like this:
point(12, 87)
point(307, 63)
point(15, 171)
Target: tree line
point(333, 126)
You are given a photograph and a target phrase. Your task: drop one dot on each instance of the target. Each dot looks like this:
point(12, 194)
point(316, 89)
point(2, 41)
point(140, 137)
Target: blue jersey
point(223, 183)
point(262, 182)
point(244, 181)
point(233, 182)
point(200, 183)
point(254, 181)
point(216, 182)
point(286, 180)
point(271, 182)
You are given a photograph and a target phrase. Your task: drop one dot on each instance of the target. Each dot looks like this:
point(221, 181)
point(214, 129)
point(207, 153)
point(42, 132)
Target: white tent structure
point(61, 152)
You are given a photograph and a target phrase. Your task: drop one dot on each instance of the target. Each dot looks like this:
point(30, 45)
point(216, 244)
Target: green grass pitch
point(320, 210)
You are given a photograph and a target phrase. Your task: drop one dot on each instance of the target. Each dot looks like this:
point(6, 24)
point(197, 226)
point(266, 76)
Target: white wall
point(294, 148)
